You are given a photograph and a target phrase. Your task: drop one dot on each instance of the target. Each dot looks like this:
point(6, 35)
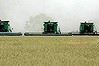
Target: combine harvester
point(6, 30)
point(87, 29)
point(50, 29)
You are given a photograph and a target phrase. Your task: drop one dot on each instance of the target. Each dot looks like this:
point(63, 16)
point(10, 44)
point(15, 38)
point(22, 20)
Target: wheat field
point(49, 51)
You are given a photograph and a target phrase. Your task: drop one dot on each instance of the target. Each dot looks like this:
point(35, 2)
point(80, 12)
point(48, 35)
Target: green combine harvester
point(6, 30)
point(87, 28)
point(50, 28)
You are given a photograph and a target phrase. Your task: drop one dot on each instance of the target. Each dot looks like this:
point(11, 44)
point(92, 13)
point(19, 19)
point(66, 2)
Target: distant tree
point(35, 24)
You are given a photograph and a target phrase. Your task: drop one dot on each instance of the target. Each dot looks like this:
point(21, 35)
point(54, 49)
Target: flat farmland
point(49, 51)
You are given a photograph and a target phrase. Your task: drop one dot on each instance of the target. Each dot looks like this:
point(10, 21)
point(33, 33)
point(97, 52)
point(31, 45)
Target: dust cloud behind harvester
point(35, 24)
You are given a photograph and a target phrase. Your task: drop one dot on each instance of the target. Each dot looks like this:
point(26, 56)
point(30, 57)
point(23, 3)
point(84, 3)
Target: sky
point(68, 13)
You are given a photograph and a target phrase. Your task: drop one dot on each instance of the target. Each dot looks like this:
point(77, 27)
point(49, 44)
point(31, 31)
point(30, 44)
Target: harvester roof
point(51, 22)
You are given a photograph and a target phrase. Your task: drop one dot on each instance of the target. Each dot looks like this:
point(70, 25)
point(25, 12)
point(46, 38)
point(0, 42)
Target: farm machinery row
point(50, 29)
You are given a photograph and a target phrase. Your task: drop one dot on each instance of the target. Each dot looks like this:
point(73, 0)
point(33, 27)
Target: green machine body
point(50, 27)
point(5, 26)
point(87, 28)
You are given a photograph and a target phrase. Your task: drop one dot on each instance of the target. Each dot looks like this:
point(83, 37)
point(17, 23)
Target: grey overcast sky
point(68, 13)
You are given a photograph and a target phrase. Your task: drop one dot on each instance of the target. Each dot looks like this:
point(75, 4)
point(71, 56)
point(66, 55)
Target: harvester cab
point(87, 28)
point(5, 26)
point(50, 27)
